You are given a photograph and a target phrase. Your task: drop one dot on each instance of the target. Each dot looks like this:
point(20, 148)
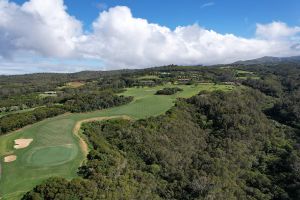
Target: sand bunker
point(22, 143)
point(10, 158)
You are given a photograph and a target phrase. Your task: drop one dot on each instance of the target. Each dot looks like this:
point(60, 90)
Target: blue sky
point(41, 35)
point(224, 16)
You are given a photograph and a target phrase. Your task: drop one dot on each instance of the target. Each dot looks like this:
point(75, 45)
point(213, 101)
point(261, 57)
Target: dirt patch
point(22, 143)
point(10, 158)
point(77, 126)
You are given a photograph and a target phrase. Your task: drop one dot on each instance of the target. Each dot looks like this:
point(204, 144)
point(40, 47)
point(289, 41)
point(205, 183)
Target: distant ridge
point(270, 60)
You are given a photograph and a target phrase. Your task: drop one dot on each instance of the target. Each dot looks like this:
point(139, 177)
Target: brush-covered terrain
point(172, 132)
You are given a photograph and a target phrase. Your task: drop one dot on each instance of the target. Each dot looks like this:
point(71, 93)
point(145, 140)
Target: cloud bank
point(43, 28)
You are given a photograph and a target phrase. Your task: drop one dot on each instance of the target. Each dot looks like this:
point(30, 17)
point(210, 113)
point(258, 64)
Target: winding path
point(145, 105)
point(83, 144)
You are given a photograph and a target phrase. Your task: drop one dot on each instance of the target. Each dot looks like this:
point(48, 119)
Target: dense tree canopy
point(76, 103)
point(19, 120)
point(212, 146)
point(242, 144)
point(95, 101)
point(168, 91)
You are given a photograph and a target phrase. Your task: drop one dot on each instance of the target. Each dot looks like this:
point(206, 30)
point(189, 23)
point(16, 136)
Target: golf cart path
point(83, 144)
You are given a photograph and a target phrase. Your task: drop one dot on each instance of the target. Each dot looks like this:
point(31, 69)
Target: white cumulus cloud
point(43, 28)
point(122, 40)
point(276, 30)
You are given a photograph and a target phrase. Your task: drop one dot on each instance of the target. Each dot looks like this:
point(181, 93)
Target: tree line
point(77, 103)
point(168, 91)
point(212, 146)
point(15, 121)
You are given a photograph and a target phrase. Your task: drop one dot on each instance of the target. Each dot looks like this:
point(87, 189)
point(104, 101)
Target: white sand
point(22, 143)
point(10, 158)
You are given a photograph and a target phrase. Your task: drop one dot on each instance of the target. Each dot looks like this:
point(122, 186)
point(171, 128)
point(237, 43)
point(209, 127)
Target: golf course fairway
point(57, 151)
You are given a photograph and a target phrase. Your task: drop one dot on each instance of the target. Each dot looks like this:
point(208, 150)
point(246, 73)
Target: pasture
point(244, 75)
point(243, 72)
point(56, 150)
point(73, 84)
point(148, 77)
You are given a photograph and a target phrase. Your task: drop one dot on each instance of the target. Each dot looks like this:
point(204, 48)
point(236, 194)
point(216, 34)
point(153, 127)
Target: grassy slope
point(244, 75)
point(23, 174)
point(148, 77)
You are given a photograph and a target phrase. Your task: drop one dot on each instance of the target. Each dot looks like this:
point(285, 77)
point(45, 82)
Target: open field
point(148, 77)
point(73, 84)
point(243, 72)
point(244, 75)
point(56, 151)
point(248, 77)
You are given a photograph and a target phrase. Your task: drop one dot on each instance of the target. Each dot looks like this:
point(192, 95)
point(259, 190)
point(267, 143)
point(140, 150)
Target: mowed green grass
point(55, 151)
point(51, 156)
point(148, 77)
point(244, 75)
point(243, 72)
point(45, 157)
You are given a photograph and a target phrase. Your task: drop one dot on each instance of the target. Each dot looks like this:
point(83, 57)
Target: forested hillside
point(211, 146)
point(232, 144)
point(149, 100)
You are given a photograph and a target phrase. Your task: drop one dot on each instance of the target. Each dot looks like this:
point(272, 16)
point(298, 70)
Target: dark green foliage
point(15, 121)
point(30, 83)
point(168, 91)
point(212, 146)
point(77, 103)
point(30, 100)
point(76, 189)
point(95, 101)
point(26, 91)
point(269, 85)
point(281, 81)
point(238, 145)
point(287, 110)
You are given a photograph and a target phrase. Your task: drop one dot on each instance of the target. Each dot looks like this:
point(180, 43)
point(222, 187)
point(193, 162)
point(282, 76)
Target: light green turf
point(55, 151)
point(47, 95)
point(248, 77)
point(244, 75)
point(148, 77)
point(50, 156)
point(244, 72)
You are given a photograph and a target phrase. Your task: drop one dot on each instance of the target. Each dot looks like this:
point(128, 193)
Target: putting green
point(51, 156)
point(56, 151)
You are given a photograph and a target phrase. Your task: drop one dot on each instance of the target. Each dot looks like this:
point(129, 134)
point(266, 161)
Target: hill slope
point(270, 60)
